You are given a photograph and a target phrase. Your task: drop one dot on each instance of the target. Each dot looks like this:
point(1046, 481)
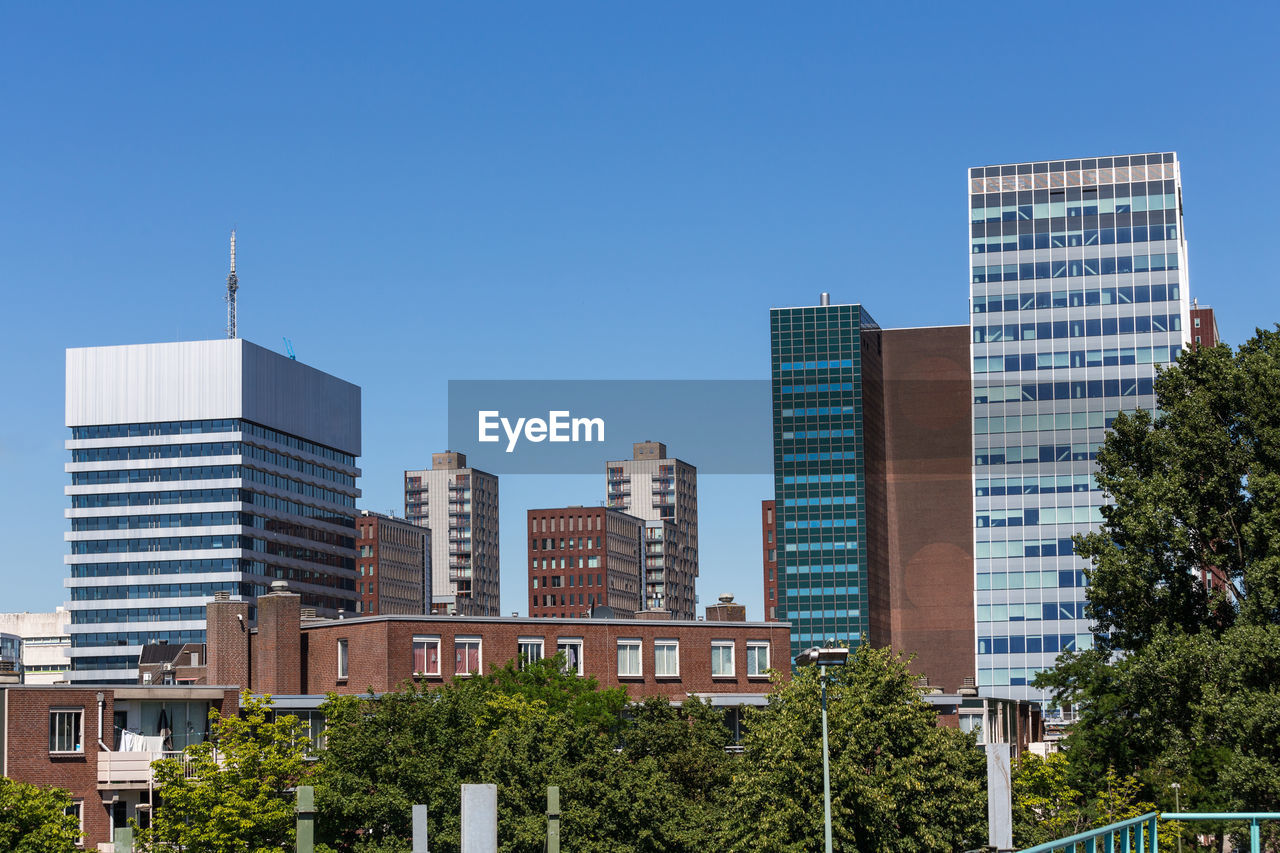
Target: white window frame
point(576, 642)
point(76, 808)
point(733, 663)
point(426, 641)
point(522, 642)
point(752, 646)
point(464, 642)
point(657, 659)
point(344, 658)
point(638, 644)
point(77, 748)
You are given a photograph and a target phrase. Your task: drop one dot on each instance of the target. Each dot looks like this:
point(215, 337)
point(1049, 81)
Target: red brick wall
point(929, 500)
point(769, 545)
point(380, 651)
point(277, 648)
point(227, 643)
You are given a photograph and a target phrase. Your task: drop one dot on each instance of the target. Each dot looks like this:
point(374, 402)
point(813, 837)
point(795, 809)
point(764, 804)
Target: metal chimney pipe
point(826, 298)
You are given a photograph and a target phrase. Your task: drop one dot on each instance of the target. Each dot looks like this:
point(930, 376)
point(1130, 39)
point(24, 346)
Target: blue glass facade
point(1078, 294)
point(828, 444)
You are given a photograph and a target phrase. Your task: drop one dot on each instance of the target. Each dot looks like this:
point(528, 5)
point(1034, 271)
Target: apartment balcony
point(126, 770)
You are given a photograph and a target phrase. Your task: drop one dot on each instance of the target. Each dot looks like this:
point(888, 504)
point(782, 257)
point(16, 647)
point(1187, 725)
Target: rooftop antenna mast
point(233, 284)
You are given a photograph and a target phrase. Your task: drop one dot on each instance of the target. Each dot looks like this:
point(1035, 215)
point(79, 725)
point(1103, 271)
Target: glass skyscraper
point(1079, 292)
point(198, 468)
point(828, 444)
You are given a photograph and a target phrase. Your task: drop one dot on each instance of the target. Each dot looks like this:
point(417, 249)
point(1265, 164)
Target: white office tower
point(460, 506)
point(201, 467)
point(1078, 273)
point(663, 492)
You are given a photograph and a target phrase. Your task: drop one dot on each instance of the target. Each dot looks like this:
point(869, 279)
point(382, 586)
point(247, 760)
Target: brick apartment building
point(393, 557)
point(98, 742)
point(581, 558)
point(289, 655)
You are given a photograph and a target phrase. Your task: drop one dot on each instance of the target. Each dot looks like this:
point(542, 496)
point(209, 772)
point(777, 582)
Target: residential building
point(1079, 294)
point(664, 492)
point(769, 550)
point(45, 642)
point(98, 743)
point(199, 467)
point(394, 565)
point(1204, 326)
point(460, 506)
point(288, 654)
point(582, 558)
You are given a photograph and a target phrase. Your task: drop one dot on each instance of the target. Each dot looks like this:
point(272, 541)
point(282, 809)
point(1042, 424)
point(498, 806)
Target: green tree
point(638, 779)
point(1184, 590)
point(35, 820)
point(899, 782)
point(233, 793)
point(1046, 807)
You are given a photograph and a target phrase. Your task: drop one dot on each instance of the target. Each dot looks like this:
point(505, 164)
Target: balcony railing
point(133, 769)
point(1138, 835)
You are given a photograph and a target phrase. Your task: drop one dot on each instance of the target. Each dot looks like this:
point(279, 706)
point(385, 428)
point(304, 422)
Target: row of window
point(1035, 485)
point(826, 456)
point(821, 410)
point(550, 564)
point(292, 463)
point(209, 472)
point(798, 479)
point(139, 614)
point(211, 426)
point(823, 386)
point(1036, 611)
point(1110, 357)
point(1060, 579)
point(572, 543)
point(802, 613)
point(1080, 328)
point(167, 567)
point(1024, 548)
point(821, 433)
point(851, 545)
point(984, 274)
point(1056, 237)
point(582, 599)
point(468, 656)
point(993, 208)
point(1032, 453)
point(128, 638)
point(148, 522)
point(822, 590)
point(1034, 644)
point(1096, 169)
point(823, 500)
point(1080, 389)
point(164, 590)
point(204, 543)
point(153, 451)
point(1028, 517)
point(1051, 421)
point(824, 364)
point(1077, 298)
point(557, 581)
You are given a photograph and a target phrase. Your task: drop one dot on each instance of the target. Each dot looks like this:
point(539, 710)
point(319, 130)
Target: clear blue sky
point(492, 190)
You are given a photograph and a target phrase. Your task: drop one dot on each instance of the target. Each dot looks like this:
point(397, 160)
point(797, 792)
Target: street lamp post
point(824, 657)
point(1177, 806)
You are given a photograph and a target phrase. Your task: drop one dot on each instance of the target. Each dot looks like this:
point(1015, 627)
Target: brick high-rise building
point(394, 562)
point(460, 506)
point(664, 492)
point(1204, 326)
point(581, 558)
point(769, 551)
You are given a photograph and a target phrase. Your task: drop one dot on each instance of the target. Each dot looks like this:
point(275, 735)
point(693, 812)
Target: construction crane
point(233, 284)
point(288, 348)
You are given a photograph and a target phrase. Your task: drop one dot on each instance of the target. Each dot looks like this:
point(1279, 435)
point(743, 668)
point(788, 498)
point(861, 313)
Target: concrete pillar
point(420, 829)
point(479, 819)
point(999, 797)
point(306, 810)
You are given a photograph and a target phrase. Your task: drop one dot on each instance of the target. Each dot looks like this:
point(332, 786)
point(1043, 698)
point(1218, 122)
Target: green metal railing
point(1136, 835)
point(1139, 835)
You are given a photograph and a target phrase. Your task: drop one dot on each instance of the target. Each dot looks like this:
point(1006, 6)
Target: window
point(342, 659)
point(629, 659)
point(65, 729)
point(666, 658)
point(571, 648)
point(466, 655)
point(76, 809)
point(722, 659)
point(530, 650)
point(426, 655)
point(757, 659)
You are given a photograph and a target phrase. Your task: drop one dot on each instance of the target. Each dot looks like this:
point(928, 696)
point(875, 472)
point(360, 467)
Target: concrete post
point(306, 809)
point(479, 819)
point(420, 829)
point(124, 839)
point(999, 797)
point(553, 819)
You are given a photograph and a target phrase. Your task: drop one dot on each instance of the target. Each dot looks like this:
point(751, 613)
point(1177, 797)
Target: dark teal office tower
point(828, 463)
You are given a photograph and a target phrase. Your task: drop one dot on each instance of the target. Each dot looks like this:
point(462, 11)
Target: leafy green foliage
point(1046, 807)
point(34, 819)
point(233, 793)
point(1180, 686)
point(898, 781)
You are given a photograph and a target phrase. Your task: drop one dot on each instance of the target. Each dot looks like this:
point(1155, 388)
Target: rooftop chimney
point(825, 299)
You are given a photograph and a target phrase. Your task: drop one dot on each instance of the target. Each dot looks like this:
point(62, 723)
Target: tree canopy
point(35, 820)
point(1184, 589)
